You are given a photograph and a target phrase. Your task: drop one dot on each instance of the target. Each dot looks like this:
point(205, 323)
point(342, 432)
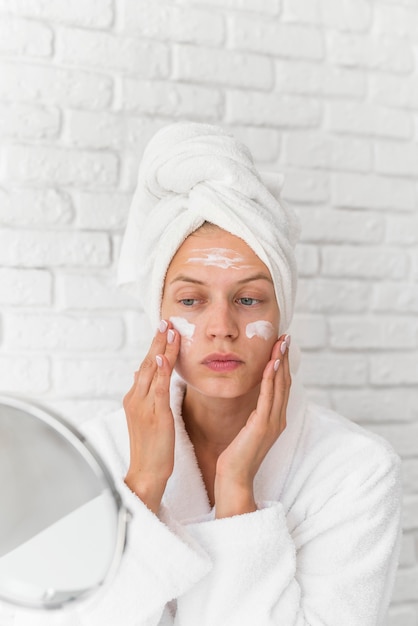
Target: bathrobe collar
point(186, 494)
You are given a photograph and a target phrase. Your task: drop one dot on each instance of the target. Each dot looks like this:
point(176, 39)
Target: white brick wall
point(324, 90)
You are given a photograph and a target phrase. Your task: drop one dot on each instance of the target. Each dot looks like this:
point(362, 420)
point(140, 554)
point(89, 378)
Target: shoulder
point(331, 443)
point(108, 435)
point(341, 470)
point(111, 424)
point(333, 425)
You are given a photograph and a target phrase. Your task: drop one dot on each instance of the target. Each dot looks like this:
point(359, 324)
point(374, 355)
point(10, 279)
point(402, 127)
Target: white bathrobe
point(321, 550)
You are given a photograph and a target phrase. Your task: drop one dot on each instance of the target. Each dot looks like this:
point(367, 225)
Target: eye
point(248, 301)
point(187, 301)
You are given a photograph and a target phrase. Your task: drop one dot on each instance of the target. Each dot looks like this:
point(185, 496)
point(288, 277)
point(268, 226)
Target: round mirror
point(62, 523)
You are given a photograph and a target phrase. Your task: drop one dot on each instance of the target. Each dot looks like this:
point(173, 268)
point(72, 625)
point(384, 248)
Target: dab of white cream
point(260, 328)
point(219, 257)
point(185, 328)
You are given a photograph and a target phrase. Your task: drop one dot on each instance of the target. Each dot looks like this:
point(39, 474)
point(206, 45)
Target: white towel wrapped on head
point(194, 173)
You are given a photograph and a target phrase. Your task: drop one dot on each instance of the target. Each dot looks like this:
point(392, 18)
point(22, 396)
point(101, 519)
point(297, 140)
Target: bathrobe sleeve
point(335, 565)
point(160, 562)
point(161, 559)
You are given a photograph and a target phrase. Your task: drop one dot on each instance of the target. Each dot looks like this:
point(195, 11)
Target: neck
point(215, 422)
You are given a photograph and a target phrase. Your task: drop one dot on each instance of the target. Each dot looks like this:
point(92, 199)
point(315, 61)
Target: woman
point(249, 505)
point(220, 297)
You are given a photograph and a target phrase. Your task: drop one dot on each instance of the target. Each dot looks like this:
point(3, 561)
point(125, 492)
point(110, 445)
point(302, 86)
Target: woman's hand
point(150, 420)
point(239, 462)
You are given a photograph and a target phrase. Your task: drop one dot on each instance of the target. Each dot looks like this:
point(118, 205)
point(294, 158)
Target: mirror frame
point(72, 435)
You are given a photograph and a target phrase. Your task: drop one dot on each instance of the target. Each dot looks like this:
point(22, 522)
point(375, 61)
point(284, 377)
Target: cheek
point(186, 330)
point(183, 327)
point(260, 328)
point(261, 336)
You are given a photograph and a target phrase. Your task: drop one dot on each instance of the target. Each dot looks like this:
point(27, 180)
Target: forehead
point(215, 247)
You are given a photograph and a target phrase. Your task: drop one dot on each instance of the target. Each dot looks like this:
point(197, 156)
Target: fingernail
point(283, 347)
point(276, 365)
point(288, 340)
point(159, 360)
point(162, 327)
point(170, 336)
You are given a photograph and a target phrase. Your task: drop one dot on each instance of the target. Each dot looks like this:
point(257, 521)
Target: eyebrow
point(190, 279)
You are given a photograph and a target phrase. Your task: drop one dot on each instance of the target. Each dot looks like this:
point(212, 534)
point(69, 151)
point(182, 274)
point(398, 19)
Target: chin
point(220, 387)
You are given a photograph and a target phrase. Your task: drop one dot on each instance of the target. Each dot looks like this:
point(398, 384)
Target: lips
point(221, 362)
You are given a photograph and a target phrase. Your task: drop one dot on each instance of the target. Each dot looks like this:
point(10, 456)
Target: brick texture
point(325, 91)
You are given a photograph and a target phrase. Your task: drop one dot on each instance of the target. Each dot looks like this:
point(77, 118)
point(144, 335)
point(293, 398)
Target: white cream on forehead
point(218, 257)
point(260, 328)
point(185, 328)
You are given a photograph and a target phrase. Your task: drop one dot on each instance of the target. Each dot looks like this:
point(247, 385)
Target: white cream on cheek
point(219, 257)
point(260, 328)
point(185, 328)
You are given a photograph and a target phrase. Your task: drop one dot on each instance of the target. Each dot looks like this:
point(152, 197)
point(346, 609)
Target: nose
point(221, 322)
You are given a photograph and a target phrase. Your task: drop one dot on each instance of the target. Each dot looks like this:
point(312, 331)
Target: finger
point(282, 382)
point(275, 352)
point(161, 386)
point(148, 367)
point(286, 370)
point(286, 364)
point(172, 348)
point(266, 395)
point(278, 356)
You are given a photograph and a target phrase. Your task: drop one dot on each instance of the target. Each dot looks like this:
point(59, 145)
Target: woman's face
point(220, 297)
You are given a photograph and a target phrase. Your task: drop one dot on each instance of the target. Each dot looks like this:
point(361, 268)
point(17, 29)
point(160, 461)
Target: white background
point(324, 90)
